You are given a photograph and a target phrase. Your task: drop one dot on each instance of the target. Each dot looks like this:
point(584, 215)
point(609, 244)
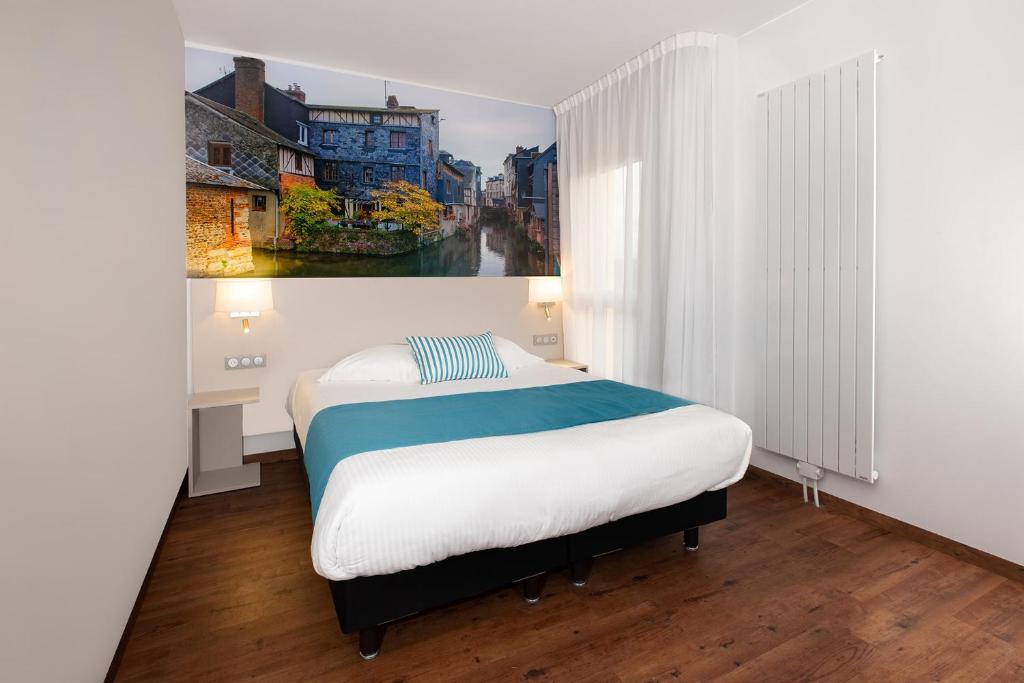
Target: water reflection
point(486, 250)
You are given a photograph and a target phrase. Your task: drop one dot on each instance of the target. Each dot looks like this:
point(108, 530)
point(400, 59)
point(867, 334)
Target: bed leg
point(370, 640)
point(691, 538)
point(533, 587)
point(580, 571)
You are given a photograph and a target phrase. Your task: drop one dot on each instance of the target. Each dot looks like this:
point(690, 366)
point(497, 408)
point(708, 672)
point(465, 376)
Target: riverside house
point(219, 208)
point(225, 128)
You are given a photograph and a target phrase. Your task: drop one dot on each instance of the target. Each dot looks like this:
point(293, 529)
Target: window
point(303, 133)
point(376, 118)
point(330, 170)
point(367, 174)
point(219, 154)
point(330, 136)
point(368, 140)
point(259, 202)
point(430, 148)
point(396, 172)
point(397, 140)
point(424, 180)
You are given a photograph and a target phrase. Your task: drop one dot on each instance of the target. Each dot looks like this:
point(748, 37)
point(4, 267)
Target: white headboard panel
point(317, 321)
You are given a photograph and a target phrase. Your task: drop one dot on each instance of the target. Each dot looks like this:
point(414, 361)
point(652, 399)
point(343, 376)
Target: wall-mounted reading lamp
point(546, 291)
point(244, 299)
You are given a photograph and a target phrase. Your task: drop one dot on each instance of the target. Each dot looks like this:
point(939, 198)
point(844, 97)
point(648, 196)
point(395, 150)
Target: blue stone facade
point(355, 158)
point(450, 181)
point(539, 169)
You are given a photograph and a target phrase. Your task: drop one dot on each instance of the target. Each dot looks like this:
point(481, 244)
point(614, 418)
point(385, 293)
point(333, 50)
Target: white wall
point(318, 321)
point(92, 312)
point(950, 312)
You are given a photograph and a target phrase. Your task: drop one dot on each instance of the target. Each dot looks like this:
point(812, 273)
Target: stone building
point(218, 206)
point(283, 111)
point(517, 182)
point(494, 191)
point(229, 133)
point(542, 226)
point(359, 149)
point(554, 251)
point(472, 177)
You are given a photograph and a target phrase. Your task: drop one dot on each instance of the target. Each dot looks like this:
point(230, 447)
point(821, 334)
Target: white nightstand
point(571, 364)
point(215, 463)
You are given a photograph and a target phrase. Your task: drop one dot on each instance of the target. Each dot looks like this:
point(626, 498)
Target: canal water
point(485, 251)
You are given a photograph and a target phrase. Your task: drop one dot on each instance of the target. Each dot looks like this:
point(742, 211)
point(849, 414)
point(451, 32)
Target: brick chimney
point(295, 90)
point(392, 102)
point(249, 78)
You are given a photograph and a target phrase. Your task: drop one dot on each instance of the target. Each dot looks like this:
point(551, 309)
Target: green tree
point(308, 209)
point(408, 204)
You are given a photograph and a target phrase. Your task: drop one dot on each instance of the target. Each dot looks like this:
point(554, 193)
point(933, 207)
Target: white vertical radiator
point(816, 213)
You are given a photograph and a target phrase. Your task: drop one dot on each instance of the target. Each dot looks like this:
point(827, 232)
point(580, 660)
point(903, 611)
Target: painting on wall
point(293, 171)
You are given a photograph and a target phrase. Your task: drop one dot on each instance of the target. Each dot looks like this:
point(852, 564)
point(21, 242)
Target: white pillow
point(387, 363)
point(513, 356)
point(396, 363)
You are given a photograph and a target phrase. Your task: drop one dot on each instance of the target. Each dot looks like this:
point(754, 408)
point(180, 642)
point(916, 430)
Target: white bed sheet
point(391, 510)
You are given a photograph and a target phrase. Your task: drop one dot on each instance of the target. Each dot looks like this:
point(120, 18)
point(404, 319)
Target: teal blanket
point(345, 430)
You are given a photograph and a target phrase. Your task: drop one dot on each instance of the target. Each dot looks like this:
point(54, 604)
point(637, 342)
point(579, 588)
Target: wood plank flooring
point(778, 592)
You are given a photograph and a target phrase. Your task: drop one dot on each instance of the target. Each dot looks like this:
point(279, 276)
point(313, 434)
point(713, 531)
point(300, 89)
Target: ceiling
point(532, 51)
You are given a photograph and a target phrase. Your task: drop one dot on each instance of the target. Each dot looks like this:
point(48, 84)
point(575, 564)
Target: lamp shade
point(545, 290)
point(244, 296)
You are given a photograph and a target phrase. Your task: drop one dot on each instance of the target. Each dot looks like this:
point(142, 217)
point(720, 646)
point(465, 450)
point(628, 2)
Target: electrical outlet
point(545, 339)
point(249, 361)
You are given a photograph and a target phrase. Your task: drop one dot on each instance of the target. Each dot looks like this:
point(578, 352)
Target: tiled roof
point(204, 174)
point(453, 169)
point(247, 121)
point(400, 108)
point(382, 110)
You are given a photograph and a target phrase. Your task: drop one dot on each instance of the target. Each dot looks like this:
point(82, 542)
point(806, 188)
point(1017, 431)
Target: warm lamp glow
point(546, 291)
point(244, 299)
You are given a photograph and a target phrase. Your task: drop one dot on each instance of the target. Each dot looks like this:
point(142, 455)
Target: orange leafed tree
point(408, 204)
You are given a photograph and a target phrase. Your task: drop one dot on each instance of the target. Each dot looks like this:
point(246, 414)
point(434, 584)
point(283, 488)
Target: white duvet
point(391, 510)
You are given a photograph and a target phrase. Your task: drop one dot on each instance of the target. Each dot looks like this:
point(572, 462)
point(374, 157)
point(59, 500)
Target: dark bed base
point(367, 604)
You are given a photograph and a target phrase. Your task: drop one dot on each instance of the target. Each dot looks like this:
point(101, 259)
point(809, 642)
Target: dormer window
point(303, 133)
point(219, 154)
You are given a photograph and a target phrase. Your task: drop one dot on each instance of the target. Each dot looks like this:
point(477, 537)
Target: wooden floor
point(778, 592)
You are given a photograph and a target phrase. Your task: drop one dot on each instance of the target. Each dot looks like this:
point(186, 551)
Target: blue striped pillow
point(442, 359)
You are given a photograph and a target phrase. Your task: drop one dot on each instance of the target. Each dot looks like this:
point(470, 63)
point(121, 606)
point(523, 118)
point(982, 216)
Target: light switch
point(545, 339)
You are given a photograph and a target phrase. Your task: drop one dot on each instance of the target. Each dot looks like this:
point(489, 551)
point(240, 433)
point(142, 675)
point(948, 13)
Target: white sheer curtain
point(635, 174)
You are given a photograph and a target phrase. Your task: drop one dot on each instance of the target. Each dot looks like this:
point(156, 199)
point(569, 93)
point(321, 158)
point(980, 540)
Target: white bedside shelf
point(215, 463)
point(571, 364)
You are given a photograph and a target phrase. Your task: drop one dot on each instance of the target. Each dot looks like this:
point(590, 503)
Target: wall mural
point(299, 172)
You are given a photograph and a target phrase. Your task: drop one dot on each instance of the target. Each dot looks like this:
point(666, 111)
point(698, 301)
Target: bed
point(522, 476)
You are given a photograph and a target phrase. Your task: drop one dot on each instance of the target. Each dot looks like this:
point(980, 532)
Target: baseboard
point(272, 456)
point(115, 662)
point(831, 504)
point(267, 443)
